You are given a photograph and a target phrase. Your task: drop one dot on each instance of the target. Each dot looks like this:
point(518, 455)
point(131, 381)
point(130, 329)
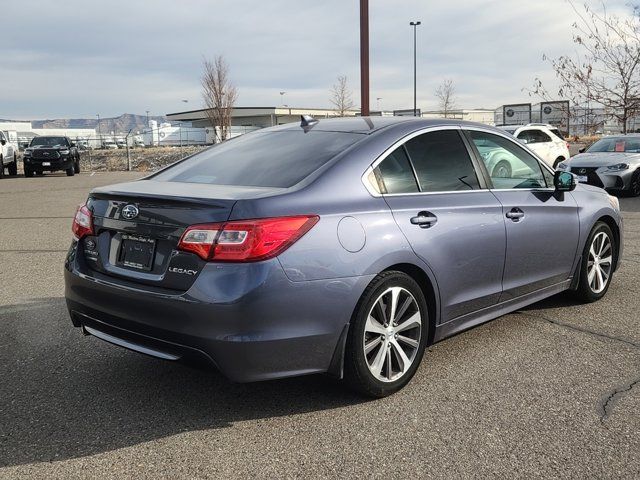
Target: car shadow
point(66, 396)
point(560, 300)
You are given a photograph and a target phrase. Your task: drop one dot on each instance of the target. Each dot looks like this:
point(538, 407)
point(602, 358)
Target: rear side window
point(442, 162)
point(557, 133)
point(534, 136)
point(262, 159)
point(394, 174)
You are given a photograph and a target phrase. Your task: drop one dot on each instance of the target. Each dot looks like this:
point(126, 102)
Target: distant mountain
point(120, 124)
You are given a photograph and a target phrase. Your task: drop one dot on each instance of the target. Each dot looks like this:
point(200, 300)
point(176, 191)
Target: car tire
point(70, 171)
point(28, 172)
point(596, 274)
point(374, 351)
point(557, 162)
point(501, 170)
point(634, 184)
point(76, 166)
point(13, 167)
point(1, 167)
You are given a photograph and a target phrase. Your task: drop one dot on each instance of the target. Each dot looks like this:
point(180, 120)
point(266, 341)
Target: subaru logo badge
point(130, 211)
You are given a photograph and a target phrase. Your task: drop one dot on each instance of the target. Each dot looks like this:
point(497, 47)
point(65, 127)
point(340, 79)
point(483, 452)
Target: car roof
point(367, 125)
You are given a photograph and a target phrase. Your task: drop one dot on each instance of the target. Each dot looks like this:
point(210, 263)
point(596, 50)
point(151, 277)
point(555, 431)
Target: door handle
point(424, 219)
point(515, 214)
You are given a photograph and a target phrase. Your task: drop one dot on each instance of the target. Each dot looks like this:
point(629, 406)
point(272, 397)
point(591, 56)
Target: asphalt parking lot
point(553, 390)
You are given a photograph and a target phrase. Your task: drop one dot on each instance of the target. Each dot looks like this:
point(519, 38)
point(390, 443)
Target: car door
point(451, 220)
point(542, 226)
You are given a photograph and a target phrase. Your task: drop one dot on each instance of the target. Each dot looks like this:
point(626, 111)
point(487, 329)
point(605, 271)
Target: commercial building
point(255, 117)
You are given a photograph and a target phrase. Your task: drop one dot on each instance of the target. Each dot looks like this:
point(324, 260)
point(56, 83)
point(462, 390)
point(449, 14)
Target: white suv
point(8, 156)
point(544, 140)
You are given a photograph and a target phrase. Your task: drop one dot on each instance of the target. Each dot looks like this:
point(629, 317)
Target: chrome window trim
point(371, 189)
point(373, 192)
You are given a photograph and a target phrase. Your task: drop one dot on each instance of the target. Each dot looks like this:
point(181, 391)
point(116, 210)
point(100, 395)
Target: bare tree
point(445, 93)
point(341, 96)
point(219, 95)
point(606, 66)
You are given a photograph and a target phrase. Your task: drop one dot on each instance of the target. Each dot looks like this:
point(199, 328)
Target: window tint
point(394, 174)
point(534, 136)
point(442, 162)
point(509, 166)
point(262, 159)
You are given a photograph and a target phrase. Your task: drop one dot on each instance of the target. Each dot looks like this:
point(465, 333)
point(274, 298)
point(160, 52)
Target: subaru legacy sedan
point(342, 246)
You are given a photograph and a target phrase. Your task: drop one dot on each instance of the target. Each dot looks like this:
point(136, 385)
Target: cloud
point(78, 58)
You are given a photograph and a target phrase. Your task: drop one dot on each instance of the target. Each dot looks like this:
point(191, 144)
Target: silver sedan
point(612, 163)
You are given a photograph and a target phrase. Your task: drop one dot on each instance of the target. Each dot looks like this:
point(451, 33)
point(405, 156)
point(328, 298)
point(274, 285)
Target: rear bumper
point(248, 320)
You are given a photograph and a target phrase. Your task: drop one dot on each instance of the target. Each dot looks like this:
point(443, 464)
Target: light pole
point(99, 136)
point(414, 25)
point(282, 98)
point(364, 58)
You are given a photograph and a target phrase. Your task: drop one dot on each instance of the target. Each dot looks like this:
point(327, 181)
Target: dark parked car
point(50, 154)
point(340, 246)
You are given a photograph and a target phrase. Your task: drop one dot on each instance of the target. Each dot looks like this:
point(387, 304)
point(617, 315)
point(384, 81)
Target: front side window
point(509, 166)
point(441, 161)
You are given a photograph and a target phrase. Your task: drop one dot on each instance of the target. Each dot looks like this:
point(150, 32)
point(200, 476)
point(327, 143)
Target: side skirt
point(481, 316)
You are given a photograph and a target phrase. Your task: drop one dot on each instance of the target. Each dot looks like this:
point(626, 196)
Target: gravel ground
point(550, 391)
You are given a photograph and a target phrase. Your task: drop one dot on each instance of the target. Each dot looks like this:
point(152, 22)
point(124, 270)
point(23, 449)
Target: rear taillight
point(245, 240)
point(567, 145)
point(82, 222)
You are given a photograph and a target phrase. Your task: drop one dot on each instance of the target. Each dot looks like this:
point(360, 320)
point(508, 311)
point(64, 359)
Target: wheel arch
point(615, 229)
point(428, 290)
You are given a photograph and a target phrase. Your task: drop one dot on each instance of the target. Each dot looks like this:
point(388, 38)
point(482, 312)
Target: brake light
point(82, 222)
point(245, 240)
point(567, 145)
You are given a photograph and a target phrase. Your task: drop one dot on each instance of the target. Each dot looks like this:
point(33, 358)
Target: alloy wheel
point(392, 334)
point(599, 262)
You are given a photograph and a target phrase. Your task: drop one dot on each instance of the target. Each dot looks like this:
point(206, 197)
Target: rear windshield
point(48, 141)
point(620, 144)
point(262, 159)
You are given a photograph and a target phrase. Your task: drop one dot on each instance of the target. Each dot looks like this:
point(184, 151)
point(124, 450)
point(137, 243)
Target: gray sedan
point(612, 163)
point(339, 246)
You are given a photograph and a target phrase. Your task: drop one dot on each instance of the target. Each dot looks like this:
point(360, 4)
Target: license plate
point(137, 252)
point(46, 164)
point(582, 178)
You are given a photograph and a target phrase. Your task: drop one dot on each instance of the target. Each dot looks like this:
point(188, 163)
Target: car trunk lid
point(137, 227)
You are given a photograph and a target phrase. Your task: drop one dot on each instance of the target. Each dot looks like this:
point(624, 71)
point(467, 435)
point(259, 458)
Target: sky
point(76, 59)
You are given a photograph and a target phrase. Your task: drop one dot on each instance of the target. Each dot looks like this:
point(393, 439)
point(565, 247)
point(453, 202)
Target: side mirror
point(582, 150)
point(73, 144)
point(564, 181)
